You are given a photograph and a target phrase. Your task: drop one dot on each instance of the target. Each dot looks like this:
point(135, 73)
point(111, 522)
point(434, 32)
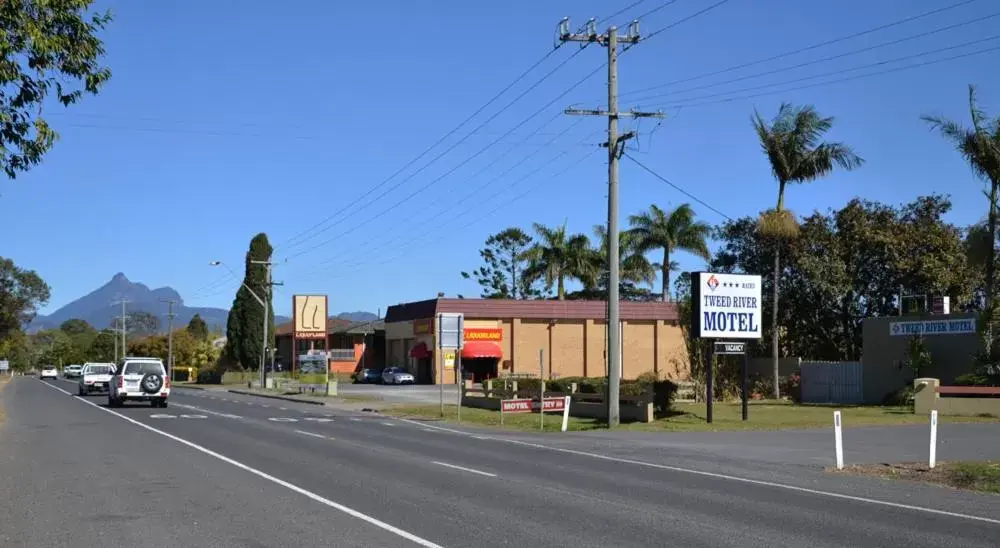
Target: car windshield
point(142, 368)
point(99, 370)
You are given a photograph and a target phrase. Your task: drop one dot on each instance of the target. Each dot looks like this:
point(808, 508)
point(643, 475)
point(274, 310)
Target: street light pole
point(262, 303)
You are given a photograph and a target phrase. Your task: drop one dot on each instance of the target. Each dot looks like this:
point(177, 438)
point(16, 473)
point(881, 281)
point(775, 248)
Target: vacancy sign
point(726, 306)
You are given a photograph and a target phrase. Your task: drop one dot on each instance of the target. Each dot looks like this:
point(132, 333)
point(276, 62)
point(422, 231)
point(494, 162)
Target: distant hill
point(358, 316)
point(98, 307)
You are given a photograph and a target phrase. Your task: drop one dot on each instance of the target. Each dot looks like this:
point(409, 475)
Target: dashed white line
point(304, 433)
point(264, 475)
point(388, 424)
point(209, 411)
point(464, 469)
point(776, 485)
point(355, 419)
point(283, 408)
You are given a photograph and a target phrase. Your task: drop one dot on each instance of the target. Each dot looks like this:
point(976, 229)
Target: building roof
point(333, 324)
point(362, 327)
point(530, 309)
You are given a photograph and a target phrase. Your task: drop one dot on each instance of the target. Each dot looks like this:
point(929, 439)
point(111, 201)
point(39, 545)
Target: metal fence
point(831, 382)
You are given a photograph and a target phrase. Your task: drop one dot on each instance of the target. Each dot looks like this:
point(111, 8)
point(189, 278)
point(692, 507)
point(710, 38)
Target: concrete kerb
point(277, 397)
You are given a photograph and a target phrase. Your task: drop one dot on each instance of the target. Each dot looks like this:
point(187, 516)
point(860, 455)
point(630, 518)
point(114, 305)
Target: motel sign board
point(525, 405)
point(725, 306)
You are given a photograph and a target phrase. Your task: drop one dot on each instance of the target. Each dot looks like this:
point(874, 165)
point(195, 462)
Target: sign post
point(450, 334)
point(541, 389)
point(4, 365)
point(736, 348)
point(527, 405)
point(724, 306)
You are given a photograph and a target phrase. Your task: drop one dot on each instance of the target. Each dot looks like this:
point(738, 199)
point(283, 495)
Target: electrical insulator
point(633, 30)
point(564, 27)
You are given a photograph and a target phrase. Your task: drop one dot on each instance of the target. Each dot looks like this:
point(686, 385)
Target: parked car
point(368, 376)
point(95, 377)
point(49, 372)
point(397, 375)
point(139, 379)
point(72, 371)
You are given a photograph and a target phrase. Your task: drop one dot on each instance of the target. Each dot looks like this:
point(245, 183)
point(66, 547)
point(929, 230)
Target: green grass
point(3, 382)
point(690, 417)
point(978, 476)
point(983, 476)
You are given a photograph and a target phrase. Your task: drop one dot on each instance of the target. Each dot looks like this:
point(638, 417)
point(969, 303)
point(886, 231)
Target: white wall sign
point(933, 327)
point(726, 306)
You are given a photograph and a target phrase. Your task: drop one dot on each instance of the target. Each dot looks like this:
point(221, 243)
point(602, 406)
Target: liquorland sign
point(725, 306)
point(310, 312)
point(483, 334)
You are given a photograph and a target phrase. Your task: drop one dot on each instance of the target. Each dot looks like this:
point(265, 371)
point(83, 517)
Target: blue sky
point(227, 118)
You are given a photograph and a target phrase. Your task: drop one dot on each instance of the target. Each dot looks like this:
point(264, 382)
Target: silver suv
point(139, 379)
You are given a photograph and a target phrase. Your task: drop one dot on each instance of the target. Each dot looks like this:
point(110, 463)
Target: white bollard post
point(932, 461)
point(565, 423)
point(838, 440)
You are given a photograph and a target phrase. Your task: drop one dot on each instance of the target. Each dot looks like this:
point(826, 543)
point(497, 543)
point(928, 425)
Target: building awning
point(420, 351)
point(481, 349)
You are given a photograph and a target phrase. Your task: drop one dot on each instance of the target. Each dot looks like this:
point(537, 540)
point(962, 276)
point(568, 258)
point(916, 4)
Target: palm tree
point(980, 146)
point(634, 267)
point(557, 256)
point(793, 147)
point(669, 231)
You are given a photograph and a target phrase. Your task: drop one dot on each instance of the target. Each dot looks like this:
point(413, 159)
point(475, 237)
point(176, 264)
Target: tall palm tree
point(980, 146)
point(793, 146)
point(634, 267)
point(557, 256)
point(670, 231)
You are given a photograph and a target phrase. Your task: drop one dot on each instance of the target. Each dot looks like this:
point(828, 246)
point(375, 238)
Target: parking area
point(407, 393)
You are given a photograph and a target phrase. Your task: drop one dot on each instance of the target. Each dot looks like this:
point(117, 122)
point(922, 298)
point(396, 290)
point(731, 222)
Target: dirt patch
point(983, 476)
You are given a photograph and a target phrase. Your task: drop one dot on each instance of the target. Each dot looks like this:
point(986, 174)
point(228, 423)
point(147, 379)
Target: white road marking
point(318, 419)
point(464, 469)
point(283, 419)
point(283, 408)
point(776, 485)
point(161, 416)
point(304, 433)
point(264, 475)
point(194, 417)
point(209, 411)
point(264, 405)
point(355, 419)
point(388, 424)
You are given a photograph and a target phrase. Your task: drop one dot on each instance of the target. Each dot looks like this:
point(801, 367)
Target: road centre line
point(209, 411)
point(464, 469)
point(264, 475)
point(313, 434)
point(829, 494)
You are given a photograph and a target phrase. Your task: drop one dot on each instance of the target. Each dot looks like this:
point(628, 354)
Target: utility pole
point(268, 299)
point(170, 336)
point(124, 345)
point(616, 147)
point(114, 330)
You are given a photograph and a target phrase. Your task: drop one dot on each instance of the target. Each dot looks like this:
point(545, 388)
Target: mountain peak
point(119, 278)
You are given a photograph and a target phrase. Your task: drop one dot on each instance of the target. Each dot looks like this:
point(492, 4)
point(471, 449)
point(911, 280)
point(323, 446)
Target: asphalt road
point(217, 469)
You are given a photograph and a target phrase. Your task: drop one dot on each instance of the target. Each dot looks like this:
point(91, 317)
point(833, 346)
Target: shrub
point(209, 376)
point(900, 397)
point(791, 386)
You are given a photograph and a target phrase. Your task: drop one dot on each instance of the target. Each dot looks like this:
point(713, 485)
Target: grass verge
point(983, 476)
point(690, 417)
point(3, 382)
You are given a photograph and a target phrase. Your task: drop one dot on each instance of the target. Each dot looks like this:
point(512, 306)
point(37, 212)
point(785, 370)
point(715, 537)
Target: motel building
point(504, 337)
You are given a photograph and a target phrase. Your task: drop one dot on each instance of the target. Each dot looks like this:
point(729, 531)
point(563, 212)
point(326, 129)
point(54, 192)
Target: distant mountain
point(98, 307)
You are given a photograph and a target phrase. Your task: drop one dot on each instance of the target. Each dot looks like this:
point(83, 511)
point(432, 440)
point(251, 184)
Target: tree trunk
point(991, 265)
point(665, 273)
point(561, 289)
point(774, 303)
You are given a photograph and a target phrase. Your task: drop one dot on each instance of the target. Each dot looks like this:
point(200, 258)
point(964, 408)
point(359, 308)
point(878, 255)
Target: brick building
point(505, 336)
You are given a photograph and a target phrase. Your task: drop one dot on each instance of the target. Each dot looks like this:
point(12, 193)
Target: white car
point(72, 371)
point(397, 375)
point(49, 372)
point(139, 379)
point(94, 377)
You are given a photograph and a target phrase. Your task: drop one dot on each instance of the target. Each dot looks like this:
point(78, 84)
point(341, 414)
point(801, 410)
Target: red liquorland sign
point(483, 334)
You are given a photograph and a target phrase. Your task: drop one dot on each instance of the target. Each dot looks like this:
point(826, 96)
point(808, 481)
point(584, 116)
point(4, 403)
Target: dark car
point(368, 376)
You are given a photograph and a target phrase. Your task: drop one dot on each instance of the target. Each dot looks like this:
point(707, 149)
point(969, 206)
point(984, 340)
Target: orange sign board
point(309, 316)
point(483, 334)
point(423, 326)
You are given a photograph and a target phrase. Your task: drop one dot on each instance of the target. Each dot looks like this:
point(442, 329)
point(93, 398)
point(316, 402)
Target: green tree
point(142, 323)
point(980, 147)
point(81, 335)
point(17, 349)
point(103, 346)
point(634, 269)
point(46, 46)
point(246, 317)
point(198, 328)
point(793, 146)
point(505, 258)
point(22, 292)
point(669, 231)
point(556, 257)
point(53, 347)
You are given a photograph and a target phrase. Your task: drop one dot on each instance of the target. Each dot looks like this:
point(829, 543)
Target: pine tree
point(244, 326)
point(198, 328)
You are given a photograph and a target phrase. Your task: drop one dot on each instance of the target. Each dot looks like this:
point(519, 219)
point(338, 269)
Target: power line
point(842, 71)
point(479, 218)
point(466, 161)
point(451, 209)
point(824, 59)
point(848, 79)
point(652, 11)
point(677, 188)
point(808, 48)
point(685, 19)
point(310, 232)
